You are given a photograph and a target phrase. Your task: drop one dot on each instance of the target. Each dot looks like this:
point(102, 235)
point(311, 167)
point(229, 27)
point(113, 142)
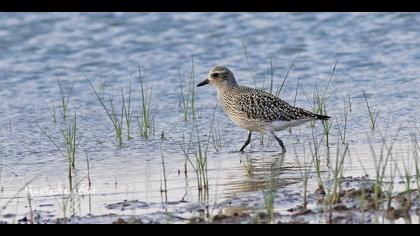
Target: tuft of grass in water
point(304, 170)
point(128, 114)
point(373, 115)
point(200, 151)
point(320, 101)
point(316, 160)
point(337, 175)
point(343, 132)
point(111, 114)
point(381, 161)
point(286, 76)
point(145, 122)
point(71, 141)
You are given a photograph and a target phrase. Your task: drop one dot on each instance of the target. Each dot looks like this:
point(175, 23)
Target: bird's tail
point(322, 117)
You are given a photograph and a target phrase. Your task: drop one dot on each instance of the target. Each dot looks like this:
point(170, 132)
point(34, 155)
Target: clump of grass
point(316, 160)
point(343, 132)
point(381, 162)
point(117, 120)
point(71, 141)
point(337, 176)
point(305, 170)
point(128, 114)
point(373, 115)
point(145, 122)
point(320, 107)
point(200, 151)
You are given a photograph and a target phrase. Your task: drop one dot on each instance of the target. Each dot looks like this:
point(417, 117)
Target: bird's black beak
point(206, 81)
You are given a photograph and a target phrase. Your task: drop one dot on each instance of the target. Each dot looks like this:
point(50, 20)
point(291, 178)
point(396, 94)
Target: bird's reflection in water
point(262, 170)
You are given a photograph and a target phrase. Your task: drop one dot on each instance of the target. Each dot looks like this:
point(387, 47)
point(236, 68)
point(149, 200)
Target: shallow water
point(376, 52)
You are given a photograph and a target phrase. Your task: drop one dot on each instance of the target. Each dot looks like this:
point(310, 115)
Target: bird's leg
point(283, 149)
point(246, 142)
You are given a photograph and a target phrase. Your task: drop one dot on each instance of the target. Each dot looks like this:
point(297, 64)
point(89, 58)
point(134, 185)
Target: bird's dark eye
point(215, 75)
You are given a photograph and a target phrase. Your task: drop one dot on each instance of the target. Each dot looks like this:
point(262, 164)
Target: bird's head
point(219, 76)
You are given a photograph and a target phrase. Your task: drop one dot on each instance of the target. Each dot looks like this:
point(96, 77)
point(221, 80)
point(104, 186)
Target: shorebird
point(255, 109)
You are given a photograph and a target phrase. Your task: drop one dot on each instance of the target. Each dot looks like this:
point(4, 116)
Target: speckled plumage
point(254, 109)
